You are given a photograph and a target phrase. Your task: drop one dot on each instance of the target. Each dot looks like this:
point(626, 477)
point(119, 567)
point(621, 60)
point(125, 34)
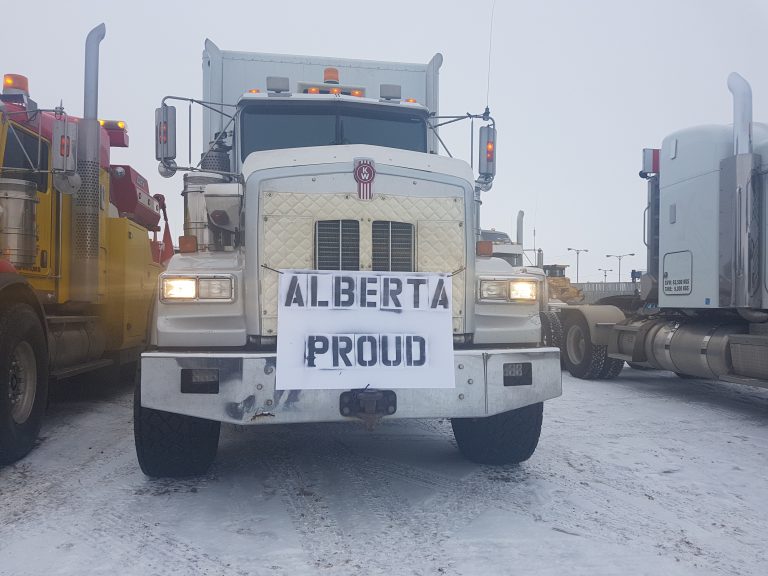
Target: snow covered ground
point(649, 474)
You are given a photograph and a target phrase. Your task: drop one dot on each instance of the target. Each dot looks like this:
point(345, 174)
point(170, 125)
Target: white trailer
point(331, 269)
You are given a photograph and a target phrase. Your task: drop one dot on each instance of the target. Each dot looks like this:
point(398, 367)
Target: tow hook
point(368, 404)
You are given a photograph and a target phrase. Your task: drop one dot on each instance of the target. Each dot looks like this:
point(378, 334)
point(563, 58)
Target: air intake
point(337, 245)
point(393, 246)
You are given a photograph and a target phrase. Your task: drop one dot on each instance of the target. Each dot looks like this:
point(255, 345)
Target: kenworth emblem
point(364, 175)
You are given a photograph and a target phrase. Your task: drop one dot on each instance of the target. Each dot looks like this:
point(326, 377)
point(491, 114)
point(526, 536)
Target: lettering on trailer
point(346, 330)
point(677, 286)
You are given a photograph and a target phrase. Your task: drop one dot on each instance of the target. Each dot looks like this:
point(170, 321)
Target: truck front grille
point(337, 245)
point(392, 246)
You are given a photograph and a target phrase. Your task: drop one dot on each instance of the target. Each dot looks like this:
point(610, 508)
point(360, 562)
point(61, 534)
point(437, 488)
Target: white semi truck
point(703, 307)
point(332, 269)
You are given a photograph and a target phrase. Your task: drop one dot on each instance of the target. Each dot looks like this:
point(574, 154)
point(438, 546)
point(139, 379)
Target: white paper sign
point(347, 330)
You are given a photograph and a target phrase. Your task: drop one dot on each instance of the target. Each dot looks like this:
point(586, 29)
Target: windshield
point(272, 126)
point(496, 237)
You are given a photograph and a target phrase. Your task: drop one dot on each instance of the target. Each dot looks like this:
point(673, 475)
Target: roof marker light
point(15, 84)
point(313, 90)
point(357, 93)
point(113, 124)
point(331, 76)
point(411, 100)
point(254, 91)
point(335, 90)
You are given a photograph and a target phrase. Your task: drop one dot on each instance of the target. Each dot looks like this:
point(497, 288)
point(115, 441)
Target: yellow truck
point(78, 268)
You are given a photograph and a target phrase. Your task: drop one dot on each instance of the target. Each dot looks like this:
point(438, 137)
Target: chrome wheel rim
point(22, 382)
point(576, 345)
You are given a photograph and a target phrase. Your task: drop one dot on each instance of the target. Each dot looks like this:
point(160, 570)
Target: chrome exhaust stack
point(741, 215)
point(742, 113)
point(86, 203)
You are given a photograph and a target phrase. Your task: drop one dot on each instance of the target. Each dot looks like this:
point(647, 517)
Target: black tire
point(551, 329)
point(611, 368)
point(172, 445)
point(583, 359)
point(23, 362)
point(506, 438)
point(552, 332)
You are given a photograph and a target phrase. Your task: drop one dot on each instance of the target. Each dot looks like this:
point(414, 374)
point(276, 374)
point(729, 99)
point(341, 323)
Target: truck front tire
point(172, 445)
point(506, 438)
point(23, 381)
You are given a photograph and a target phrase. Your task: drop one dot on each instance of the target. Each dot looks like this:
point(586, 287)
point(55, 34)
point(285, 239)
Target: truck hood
point(347, 153)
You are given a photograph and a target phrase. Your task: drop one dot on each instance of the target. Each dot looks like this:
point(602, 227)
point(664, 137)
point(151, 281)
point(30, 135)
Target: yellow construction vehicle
point(78, 268)
point(560, 287)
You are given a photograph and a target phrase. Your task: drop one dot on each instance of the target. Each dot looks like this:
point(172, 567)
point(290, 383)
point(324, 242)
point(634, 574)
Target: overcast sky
point(578, 87)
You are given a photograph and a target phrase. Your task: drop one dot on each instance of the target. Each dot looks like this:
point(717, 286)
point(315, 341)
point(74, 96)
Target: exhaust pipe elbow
point(742, 113)
point(91, 88)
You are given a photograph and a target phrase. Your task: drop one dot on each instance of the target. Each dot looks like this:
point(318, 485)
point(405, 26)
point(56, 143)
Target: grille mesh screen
point(393, 246)
point(337, 245)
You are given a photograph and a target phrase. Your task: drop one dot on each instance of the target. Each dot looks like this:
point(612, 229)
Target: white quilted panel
point(287, 243)
point(441, 249)
point(288, 230)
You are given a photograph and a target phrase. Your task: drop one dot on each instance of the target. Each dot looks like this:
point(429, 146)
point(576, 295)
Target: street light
point(605, 273)
point(619, 256)
point(578, 251)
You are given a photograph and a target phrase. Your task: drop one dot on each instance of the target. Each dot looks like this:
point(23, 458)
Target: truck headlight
point(523, 290)
point(195, 288)
point(509, 290)
point(494, 289)
point(214, 288)
point(179, 288)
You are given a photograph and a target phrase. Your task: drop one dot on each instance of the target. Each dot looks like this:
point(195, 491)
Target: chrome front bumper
point(246, 388)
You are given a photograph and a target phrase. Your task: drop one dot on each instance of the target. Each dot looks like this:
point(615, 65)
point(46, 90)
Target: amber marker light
point(16, 82)
point(113, 124)
point(187, 244)
point(484, 248)
point(331, 76)
point(489, 151)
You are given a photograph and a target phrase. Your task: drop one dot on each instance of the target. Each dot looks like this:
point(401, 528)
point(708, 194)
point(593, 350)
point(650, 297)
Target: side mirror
point(165, 133)
point(64, 146)
point(487, 161)
point(165, 139)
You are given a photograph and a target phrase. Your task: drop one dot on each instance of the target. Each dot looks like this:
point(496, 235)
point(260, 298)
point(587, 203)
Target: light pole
point(578, 251)
point(619, 256)
point(605, 273)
